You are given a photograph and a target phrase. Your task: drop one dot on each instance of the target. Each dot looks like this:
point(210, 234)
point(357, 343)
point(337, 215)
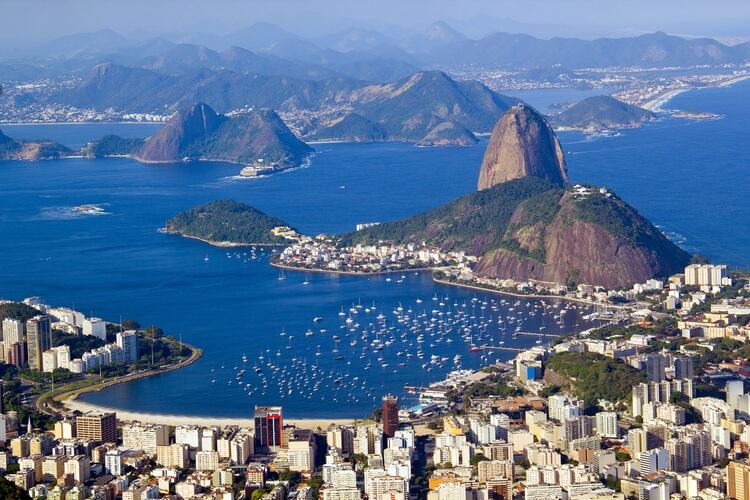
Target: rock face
point(200, 133)
point(594, 239)
point(187, 127)
point(522, 145)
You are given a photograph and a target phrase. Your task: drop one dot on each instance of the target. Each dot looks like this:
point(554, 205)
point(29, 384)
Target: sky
point(28, 21)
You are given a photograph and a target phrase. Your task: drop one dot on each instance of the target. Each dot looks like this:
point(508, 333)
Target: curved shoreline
point(522, 295)
point(70, 395)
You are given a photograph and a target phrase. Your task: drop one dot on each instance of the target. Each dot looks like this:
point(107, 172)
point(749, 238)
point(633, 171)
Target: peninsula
point(230, 223)
point(526, 222)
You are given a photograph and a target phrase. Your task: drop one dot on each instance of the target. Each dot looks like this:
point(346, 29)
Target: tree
point(130, 324)
point(10, 491)
point(479, 457)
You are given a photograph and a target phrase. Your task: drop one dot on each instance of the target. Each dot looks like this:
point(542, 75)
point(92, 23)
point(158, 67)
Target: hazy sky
point(29, 20)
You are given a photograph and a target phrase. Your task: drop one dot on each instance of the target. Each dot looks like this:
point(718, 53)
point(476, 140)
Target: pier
point(500, 348)
point(538, 334)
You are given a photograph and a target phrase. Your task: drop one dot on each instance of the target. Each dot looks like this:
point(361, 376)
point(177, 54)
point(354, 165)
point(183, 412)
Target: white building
point(95, 327)
point(128, 342)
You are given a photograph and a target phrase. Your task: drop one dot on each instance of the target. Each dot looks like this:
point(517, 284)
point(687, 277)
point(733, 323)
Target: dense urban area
point(651, 405)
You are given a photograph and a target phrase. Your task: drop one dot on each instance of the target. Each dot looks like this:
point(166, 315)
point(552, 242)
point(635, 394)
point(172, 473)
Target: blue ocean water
point(688, 177)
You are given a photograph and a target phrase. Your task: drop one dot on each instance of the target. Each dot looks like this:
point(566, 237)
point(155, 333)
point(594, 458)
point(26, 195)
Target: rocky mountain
point(522, 145)
point(411, 109)
point(226, 222)
point(11, 149)
point(601, 113)
point(526, 222)
point(200, 133)
point(347, 127)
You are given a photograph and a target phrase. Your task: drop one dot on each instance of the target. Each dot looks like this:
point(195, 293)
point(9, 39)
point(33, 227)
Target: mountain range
point(355, 52)
point(427, 107)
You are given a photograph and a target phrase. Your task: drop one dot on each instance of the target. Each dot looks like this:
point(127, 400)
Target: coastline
point(519, 295)
point(220, 244)
point(67, 394)
point(352, 273)
point(167, 419)
point(657, 103)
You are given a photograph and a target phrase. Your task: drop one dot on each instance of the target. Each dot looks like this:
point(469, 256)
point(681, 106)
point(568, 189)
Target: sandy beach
point(154, 418)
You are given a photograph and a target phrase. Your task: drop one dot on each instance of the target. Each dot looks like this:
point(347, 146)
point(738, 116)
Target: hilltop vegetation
point(601, 112)
point(474, 222)
point(113, 145)
point(44, 149)
point(591, 376)
point(227, 221)
point(17, 310)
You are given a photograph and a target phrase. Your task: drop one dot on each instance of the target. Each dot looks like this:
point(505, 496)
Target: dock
point(538, 334)
point(500, 348)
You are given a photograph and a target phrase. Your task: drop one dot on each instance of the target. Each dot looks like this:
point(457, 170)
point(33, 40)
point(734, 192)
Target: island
point(600, 113)
point(230, 223)
point(11, 149)
point(259, 140)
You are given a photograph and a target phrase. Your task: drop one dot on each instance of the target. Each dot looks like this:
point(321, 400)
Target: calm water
point(688, 177)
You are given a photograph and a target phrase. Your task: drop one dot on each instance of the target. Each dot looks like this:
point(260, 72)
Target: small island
point(11, 149)
point(229, 223)
point(600, 113)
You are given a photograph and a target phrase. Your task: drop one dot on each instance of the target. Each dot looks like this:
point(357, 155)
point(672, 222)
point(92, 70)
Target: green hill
point(601, 113)
point(528, 228)
point(227, 222)
point(591, 376)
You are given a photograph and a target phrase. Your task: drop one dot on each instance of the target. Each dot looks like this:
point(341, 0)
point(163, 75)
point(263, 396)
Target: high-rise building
point(735, 389)
point(390, 415)
point(606, 424)
point(14, 330)
point(95, 327)
point(97, 427)
point(174, 455)
point(738, 480)
point(656, 365)
point(113, 462)
point(683, 367)
point(146, 437)
point(128, 342)
point(301, 451)
point(38, 339)
point(268, 428)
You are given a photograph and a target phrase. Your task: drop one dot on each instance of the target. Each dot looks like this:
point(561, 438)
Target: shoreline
point(521, 295)
point(174, 420)
point(351, 273)
point(657, 103)
point(68, 398)
point(220, 244)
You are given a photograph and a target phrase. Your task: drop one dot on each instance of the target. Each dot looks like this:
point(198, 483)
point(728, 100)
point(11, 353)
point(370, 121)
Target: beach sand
point(164, 419)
